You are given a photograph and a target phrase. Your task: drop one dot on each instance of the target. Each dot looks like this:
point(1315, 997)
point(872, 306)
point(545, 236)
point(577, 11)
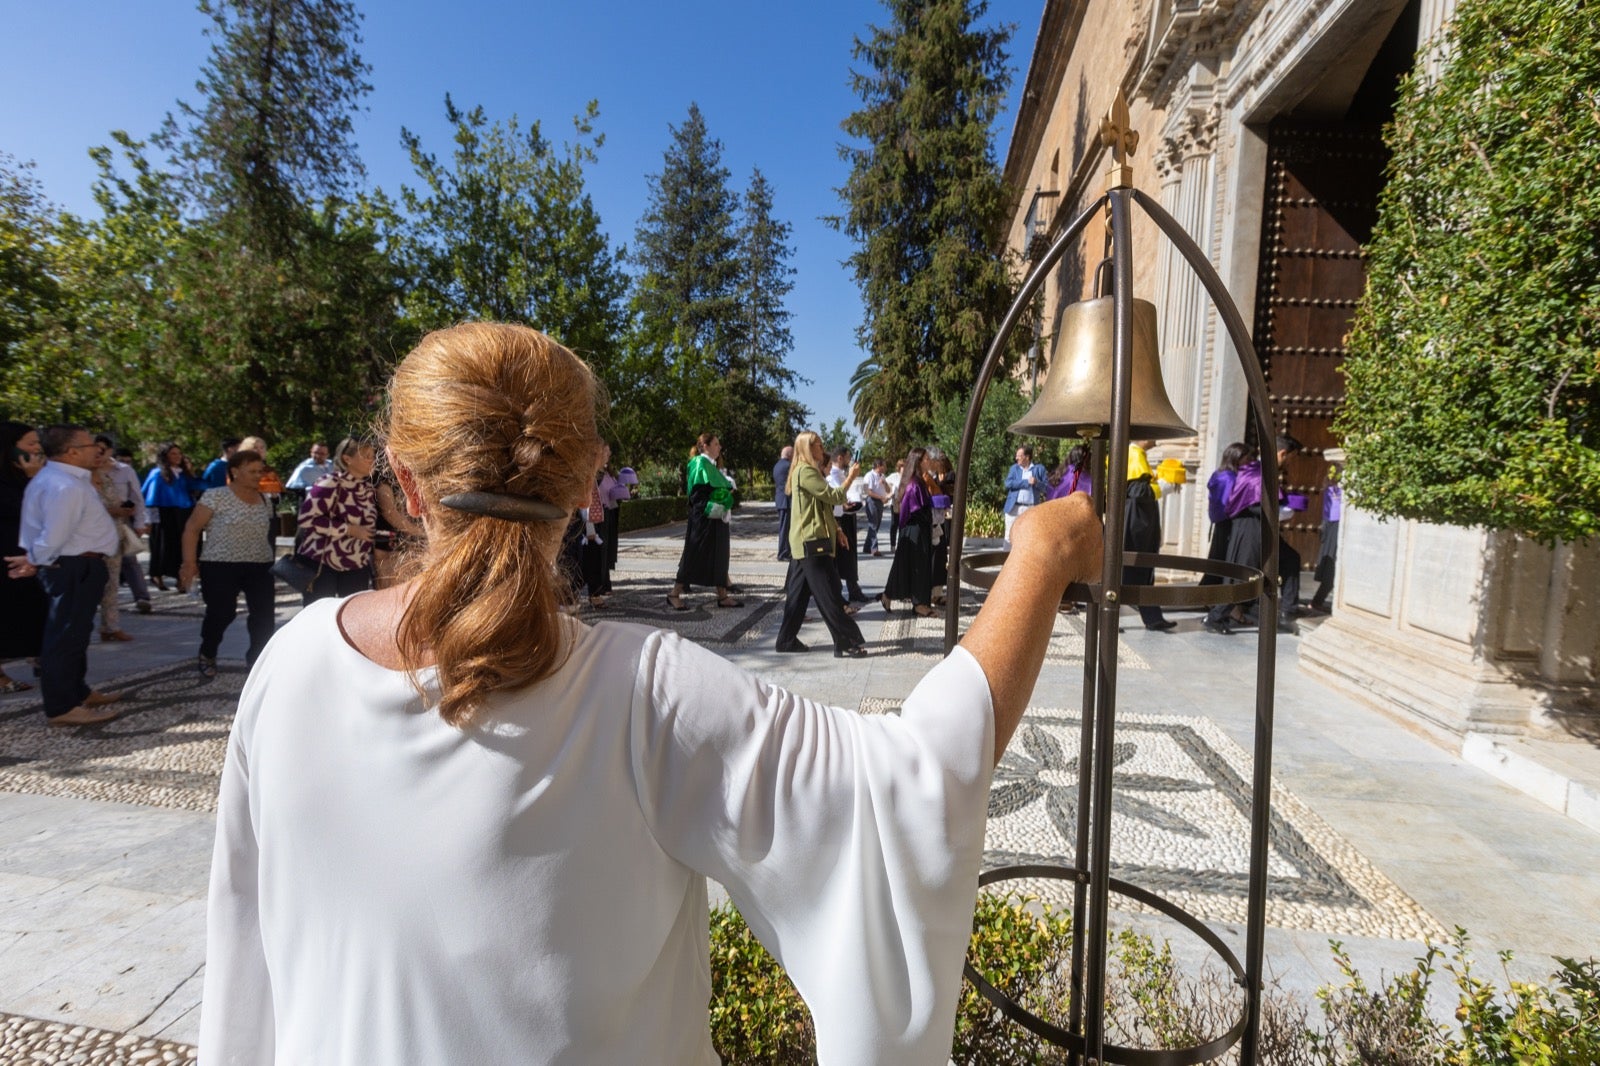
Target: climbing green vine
point(1474, 367)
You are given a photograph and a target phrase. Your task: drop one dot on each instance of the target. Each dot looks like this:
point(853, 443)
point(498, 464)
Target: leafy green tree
point(839, 435)
point(994, 448)
point(28, 289)
point(507, 231)
point(926, 209)
point(685, 301)
point(85, 359)
point(1473, 384)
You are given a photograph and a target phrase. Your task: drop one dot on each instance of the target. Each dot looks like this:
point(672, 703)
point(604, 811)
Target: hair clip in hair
point(503, 505)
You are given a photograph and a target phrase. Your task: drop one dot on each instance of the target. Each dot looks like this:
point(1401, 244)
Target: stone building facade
point(1260, 125)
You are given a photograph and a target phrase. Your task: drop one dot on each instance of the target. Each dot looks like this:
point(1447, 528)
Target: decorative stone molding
point(1183, 31)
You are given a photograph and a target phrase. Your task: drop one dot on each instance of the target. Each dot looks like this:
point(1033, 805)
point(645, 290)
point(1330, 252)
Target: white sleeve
point(236, 1013)
point(851, 844)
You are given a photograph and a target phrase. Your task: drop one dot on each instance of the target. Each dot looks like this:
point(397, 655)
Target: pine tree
point(686, 305)
point(761, 418)
point(925, 206)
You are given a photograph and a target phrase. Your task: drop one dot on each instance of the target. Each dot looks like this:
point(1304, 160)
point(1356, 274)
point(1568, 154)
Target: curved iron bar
point(969, 432)
point(1245, 580)
point(1266, 654)
point(1113, 1053)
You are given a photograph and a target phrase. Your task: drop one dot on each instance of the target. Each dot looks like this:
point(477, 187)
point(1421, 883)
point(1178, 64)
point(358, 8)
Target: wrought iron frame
point(1084, 1034)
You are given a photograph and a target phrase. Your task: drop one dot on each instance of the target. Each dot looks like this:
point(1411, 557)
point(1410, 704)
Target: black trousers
point(814, 578)
point(1219, 548)
point(1289, 573)
point(783, 534)
point(845, 558)
point(220, 585)
point(166, 541)
point(73, 586)
point(592, 565)
point(339, 583)
point(612, 531)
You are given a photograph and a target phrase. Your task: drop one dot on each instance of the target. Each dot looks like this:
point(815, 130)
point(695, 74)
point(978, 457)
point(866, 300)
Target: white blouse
point(389, 889)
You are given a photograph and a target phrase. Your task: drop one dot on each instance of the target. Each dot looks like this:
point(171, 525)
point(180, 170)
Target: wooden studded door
point(1321, 203)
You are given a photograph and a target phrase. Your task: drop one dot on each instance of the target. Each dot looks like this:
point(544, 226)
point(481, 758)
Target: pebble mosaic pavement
point(30, 1040)
point(1182, 828)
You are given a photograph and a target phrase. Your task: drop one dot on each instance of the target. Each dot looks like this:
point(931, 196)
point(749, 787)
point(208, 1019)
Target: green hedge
point(1473, 378)
point(648, 512)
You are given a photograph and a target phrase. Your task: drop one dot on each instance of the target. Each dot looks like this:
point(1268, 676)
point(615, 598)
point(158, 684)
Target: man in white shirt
point(876, 490)
point(893, 481)
point(67, 534)
point(845, 559)
point(310, 470)
point(126, 479)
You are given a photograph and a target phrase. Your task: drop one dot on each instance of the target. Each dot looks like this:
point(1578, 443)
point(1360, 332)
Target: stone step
point(1564, 775)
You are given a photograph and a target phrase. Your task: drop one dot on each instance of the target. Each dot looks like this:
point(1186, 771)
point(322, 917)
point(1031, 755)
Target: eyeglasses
point(80, 447)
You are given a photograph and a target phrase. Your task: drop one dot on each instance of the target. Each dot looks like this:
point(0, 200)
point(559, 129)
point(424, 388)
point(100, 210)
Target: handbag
point(819, 546)
point(132, 543)
point(297, 571)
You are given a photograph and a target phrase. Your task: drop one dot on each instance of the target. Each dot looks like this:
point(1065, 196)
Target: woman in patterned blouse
point(237, 558)
point(337, 521)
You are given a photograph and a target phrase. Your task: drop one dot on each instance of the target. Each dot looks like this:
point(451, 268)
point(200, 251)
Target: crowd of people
point(74, 516)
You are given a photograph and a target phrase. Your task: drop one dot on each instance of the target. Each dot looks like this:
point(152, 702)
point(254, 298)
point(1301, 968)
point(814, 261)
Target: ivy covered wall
point(1474, 365)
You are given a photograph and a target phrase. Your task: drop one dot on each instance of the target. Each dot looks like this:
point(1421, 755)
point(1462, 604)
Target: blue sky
point(771, 79)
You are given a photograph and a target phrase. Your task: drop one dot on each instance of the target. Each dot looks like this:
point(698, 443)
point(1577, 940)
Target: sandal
point(208, 666)
point(10, 685)
point(597, 602)
point(924, 611)
point(884, 599)
point(676, 602)
point(729, 601)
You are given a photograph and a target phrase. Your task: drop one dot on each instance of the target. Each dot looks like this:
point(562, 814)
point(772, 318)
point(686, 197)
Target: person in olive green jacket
point(813, 538)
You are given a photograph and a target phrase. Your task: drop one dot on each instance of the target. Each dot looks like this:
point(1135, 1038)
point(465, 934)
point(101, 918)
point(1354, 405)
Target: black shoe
point(860, 597)
point(1162, 626)
point(208, 667)
point(1225, 627)
point(793, 646)
point(857, 651)
point(1287, 624)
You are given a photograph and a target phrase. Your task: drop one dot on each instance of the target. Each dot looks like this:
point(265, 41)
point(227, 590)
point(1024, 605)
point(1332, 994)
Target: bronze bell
point(1075, 400)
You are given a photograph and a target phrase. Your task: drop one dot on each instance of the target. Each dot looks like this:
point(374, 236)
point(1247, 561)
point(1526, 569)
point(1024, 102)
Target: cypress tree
point(925, 206)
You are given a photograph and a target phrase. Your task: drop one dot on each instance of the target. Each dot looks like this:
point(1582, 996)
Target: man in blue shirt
point(1027, 483)
point(311, 470)
point(66, 534)
point(216, 475)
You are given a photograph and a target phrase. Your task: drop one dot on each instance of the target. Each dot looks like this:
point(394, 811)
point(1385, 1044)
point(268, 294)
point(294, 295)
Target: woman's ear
point(408, 487)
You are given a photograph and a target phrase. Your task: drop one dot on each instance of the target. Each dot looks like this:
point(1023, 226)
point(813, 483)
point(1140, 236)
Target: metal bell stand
point(1090, 873)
